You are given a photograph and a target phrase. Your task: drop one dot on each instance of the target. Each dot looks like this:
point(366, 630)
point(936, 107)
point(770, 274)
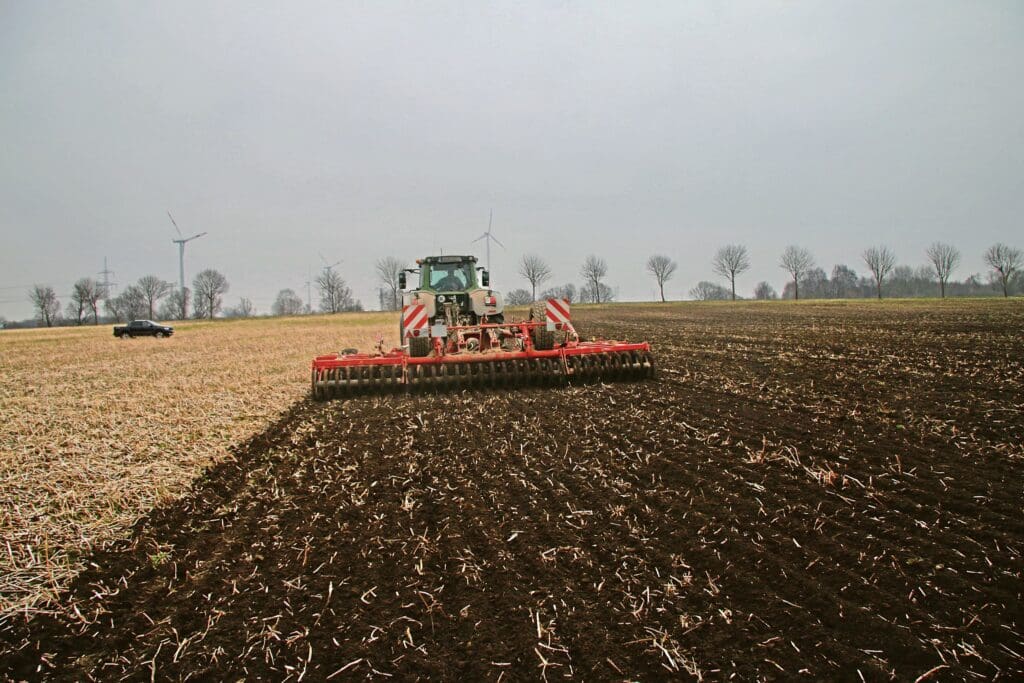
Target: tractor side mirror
point(401, 280)
point(485, 279)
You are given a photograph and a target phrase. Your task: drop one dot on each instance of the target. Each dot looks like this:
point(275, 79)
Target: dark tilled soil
point(822, 491)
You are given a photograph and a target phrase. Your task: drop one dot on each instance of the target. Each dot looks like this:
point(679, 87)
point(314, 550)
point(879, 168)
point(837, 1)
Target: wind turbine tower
point(489, 236)
point(181, 242)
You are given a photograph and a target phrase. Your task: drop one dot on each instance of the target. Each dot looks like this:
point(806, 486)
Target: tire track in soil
point(606, 531)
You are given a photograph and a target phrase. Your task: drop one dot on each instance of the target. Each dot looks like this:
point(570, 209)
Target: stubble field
point(94, 430)
point(813, 490)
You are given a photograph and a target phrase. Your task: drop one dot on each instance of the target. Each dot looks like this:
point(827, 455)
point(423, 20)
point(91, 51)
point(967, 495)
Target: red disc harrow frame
point(508, 358)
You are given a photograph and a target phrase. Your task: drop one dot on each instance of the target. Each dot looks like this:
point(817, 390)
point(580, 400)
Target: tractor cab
point(448, 274)
point(453, 290)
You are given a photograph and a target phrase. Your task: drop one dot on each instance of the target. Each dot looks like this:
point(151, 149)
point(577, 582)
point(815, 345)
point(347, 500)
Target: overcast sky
point(361, 130)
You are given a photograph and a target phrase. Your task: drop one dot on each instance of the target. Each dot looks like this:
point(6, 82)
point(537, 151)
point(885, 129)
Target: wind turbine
point(328, 267)
point(181, 242)
point(488, 236)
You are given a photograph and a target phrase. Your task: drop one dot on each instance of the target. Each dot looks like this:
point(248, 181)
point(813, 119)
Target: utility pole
point(107, 284)
point(181, 242)
point(309, 291)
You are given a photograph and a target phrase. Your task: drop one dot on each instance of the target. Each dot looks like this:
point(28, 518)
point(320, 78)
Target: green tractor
point(454, 292)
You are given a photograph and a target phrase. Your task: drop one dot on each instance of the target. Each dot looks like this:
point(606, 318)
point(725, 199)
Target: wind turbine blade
point(173, 223)
point(490, 218)
point(498, 241)
point(480, 237)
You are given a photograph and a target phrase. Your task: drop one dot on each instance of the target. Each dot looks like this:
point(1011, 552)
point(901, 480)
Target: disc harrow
point(544, 350)
point(339, 376)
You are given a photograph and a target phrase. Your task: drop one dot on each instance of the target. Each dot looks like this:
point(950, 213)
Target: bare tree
point(797, 261)
point(1004, 262)
point(602, 295)
point(244, 309)
point(567, 292)
point(764, 292)
point(662, 268)
point(729, 261)
point(175, 306)
point(84, 297)
point(74, 310)
point(944, 258)
point(594, 270)
point(335, 295)
point(210, 286)
point(535, 270)
point(709, 291)
point(130, 304)
point(97, 293)
point(388, 269)
point(46, 304)
point(287, 303)
point(154, 289)
point(518, 297)
point(880, 261)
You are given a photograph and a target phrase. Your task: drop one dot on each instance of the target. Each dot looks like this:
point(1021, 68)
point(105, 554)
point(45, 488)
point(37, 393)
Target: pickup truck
point(143, 328)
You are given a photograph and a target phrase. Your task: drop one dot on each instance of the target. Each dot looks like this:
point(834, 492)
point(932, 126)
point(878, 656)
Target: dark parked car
point(143, 328)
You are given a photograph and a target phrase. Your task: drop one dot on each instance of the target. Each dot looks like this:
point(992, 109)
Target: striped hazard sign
point(414, 320)
point(557, 313)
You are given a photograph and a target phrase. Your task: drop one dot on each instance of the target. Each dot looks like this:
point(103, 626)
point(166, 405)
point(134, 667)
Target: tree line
point(885, 277)
point(155, 298)
point(149, 297)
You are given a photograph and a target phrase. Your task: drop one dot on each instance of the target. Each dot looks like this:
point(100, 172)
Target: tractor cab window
point(447, 277)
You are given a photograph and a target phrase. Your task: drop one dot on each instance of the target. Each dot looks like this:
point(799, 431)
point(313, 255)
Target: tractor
point(455, 334)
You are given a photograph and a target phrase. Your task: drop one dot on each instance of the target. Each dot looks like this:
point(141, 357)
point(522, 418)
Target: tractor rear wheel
point(419, 346)
point(543, 339)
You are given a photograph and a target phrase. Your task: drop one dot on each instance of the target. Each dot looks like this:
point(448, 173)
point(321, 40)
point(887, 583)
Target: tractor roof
point(448, 259)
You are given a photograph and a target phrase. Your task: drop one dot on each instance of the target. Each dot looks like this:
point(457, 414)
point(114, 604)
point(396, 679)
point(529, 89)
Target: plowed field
point(818, 491)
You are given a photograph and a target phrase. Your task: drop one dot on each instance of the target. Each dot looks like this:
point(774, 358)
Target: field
point(95, 430)
point(815, 490)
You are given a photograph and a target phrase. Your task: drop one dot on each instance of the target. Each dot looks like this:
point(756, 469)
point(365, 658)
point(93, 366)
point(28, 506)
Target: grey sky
point(361, 130)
